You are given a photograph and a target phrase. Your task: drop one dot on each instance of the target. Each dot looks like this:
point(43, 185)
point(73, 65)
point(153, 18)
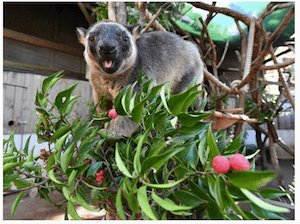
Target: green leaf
point(25, 150)
point(50, 81)
point(164, 186)
point(66, 157)
point(20, 183)
point(61, 141)
point(118, 101)
point(120, 163)
point(119, 206)
point(84, 204)
point(72, 211)
point(144, 202)
point(52, 177)
point(125, 101)
point(138, 111)
point(250, 180)
point(168, 204)
point(180, 102)
point(163, 98)
point(159, 160)
point(60, 132)
point(50, 162)
point(235, 145)
point(190, 119)
point(187, 198)
point(63, 98)
point(137, 156)
point(273, 193)
point(93, 169)
point(262, 204)
point(81, 130)
point(212, 145)
point(10, 166)
point(71, 179)
point(85, 148)
point(16, 202)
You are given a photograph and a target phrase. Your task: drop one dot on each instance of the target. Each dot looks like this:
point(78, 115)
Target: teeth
point(107, 64)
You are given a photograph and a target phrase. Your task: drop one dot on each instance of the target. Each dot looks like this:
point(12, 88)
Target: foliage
point(163, 171)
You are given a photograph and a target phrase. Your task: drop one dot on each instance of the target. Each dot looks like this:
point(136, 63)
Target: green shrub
point(164, 171)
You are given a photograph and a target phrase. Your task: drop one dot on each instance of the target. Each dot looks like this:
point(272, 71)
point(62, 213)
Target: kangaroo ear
point(135, 30)
point(81, 33)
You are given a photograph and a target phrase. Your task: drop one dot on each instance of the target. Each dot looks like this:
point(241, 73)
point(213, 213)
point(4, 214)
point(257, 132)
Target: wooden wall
point(19, 95)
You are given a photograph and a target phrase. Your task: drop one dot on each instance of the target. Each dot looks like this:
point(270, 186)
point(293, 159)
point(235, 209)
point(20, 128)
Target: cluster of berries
point(100, 176)
point(236, 162)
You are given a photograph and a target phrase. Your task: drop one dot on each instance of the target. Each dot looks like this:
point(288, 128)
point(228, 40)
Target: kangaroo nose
point(107, 49)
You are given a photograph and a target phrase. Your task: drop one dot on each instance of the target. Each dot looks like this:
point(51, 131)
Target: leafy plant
point(163, 171)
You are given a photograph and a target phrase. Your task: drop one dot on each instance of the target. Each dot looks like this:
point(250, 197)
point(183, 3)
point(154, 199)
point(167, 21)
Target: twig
point(209, 17)
point(148, 16)
point(159, 11)
point(213, 48)
point(278, 65)
point(224, 54)
point(28, 188)
point(271, 8)
point(282, 80)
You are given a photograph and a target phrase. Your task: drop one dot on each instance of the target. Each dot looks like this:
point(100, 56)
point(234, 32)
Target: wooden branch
point(209, 17)
point(259, 60)
point(271, 8)
point(273, 155)
point(216, 81)
point(153, 19)
point(222, 10)
point(36, 41)
point(148, 16)
point(213, 48)
point(240, 117)
point(282, 80)
point(87, 16)
point(278, 65)
point(223, 55)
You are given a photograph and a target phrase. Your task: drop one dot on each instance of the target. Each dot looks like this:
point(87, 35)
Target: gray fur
point(161, 56)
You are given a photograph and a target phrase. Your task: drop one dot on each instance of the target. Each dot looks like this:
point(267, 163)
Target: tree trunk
point(117, 12)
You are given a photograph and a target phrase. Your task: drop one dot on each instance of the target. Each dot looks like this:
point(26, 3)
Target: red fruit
point(239, 162)
point(221, 164)
point(112, 113)
point(100, 176)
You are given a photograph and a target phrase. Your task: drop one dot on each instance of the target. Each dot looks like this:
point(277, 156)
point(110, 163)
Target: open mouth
point(107, 64)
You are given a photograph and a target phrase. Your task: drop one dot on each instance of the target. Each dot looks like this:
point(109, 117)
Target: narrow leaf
point(250, 180)
point(262, 204)
point(16, 202)
point(120, 163)
point(144, 202)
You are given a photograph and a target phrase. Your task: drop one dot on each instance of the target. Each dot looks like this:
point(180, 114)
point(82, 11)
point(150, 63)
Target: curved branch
point(222, 10)
point(278, 66)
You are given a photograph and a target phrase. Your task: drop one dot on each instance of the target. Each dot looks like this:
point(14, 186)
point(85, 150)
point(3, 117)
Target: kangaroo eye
point(91, 39)
point(125, 38)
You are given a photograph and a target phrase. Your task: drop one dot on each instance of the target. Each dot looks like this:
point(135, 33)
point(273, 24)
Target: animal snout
point(107, 49)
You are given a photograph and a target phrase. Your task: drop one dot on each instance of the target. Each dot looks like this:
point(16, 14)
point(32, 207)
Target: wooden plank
point(32, 68)
point(36, 41)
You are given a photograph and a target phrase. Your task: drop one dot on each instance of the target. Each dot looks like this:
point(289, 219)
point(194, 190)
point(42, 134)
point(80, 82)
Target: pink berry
point(239, 162)
point(221, 164)
point(112, 114)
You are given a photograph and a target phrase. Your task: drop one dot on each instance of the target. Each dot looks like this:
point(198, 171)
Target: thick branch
point(216, 81)
point(222, 10)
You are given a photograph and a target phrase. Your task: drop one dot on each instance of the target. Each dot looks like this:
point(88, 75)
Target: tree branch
point(222, 10)
point(278, 65)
